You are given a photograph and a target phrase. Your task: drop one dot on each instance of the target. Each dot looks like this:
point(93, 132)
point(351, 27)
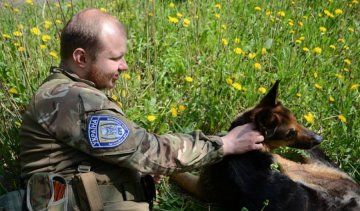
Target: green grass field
point(196, 64)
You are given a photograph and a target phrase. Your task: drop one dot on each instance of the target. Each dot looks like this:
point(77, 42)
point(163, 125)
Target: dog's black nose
point(317, 139)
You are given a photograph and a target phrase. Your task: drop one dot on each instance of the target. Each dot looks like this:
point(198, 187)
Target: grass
point(196, 64)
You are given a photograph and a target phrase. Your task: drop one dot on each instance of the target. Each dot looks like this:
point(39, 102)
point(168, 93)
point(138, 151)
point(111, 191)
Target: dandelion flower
point(35, 31)
point(339, 76)
point(257, 66)
point(298, 94)
point(263, 51)
point(322, 29)
point(173, 19)
point(58, 21)
point(306, 49)
point(114, 97)
point(54, 54)
point(257, 8)
point(229, 81)
point(317, 50)
point(342, 118)
point(188, 79)
point(338, 12)
point(17, 33)
point(21, 49)
point(347, 61)
point(237, 40)
point(332, 47)
point(6, 36)
point(224, 41)
point(237, 86)
point(47, 24)
point(280, 14)
point(171, 5)
point(300, 23)
point(218, 6)
point(341, 40)
point(251, 55)
point(331, 99)
point(179, 14)
point(239, 51)
point(151, 118)
point(186, 22)
point(309, 117)
point(318, 86)
point(217, 15)
point(16, 10)
point(103, 9)
point(45, 38)
point(29, 2)
point(173, 111)
point(182, 108)
point(126, 76)
point(13, 91)
point(43, 46)
point(354, 86)
point(262, 90)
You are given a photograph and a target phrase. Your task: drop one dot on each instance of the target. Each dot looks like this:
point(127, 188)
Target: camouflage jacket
point(70, 122)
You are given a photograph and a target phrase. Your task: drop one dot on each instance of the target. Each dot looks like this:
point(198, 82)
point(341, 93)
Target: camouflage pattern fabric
point(69, 122)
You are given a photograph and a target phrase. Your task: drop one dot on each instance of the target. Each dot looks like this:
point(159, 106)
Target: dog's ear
point(270, 99)
point(266, 122)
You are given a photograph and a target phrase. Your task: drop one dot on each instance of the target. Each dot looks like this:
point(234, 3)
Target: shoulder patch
point(106, 132)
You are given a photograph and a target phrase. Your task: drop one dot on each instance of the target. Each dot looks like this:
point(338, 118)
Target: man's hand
point(242, 139)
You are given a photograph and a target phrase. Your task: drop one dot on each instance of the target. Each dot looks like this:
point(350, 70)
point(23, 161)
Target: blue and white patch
point(106, 132)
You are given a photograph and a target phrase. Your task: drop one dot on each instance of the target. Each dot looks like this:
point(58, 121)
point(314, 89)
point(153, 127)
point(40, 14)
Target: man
point(72, 129)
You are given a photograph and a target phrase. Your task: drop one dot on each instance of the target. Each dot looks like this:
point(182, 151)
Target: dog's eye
point(291, 133)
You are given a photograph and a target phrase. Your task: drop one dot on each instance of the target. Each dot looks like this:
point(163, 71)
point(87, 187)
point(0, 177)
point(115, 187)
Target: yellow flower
point(291, 22)
point(342, 118)
point(17, 124)
point(47, 24)
point(173, 111)
point(53, 54)
point(291, 31)
point(218, 6)
point(151, 118)
point(298, 41)
point(103, 9)
point(217, 15)
point(229, 81)
point(280, 14)
point(263, 51)
point(351, 29)
point(6, 36)
point(339, 76)
point(257, 8)
point(355, 2)
point(114, 97)
point(171, 5)
point(239, 51)
point(186, 22)
point(58, 21)
point(13, 91)
point(305, 49)
point(317, 50)
point(318, 86)
point(331, 99)
point(35, 30)
point(322, 29)
point(338, 11)
point(300, 23)
point(309, 117)
point(328, 13)
point(188, 79)
point(21, 49)
point(182, 108)
point(126, 76)
point(237, 40)
point(43, 46)
point(354, 86)
point(302, 38)
point(268, 13)
point(251, 55)
point(262, 90)
point(346, 69)
point(315, 74)
point(16, 10)
point(257, 66)
point(173, 19)
point(347, 61)
point(30, 2)
point(45, 38)
point(342, 40)
point(298, 94)
point(17, 33)
point(332, 47)
point(68, 5)
point(224, 41)
point(237, 86)
point(179, 14)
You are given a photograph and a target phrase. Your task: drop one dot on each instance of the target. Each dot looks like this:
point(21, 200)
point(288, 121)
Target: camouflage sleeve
point(90, 122)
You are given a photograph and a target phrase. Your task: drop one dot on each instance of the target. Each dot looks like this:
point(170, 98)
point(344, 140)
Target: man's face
point(105, 69)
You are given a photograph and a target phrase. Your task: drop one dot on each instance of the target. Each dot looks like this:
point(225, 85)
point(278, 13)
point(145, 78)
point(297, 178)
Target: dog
point(248, 180)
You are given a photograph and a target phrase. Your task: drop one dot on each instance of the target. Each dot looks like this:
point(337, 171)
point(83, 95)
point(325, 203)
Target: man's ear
point(79, 57)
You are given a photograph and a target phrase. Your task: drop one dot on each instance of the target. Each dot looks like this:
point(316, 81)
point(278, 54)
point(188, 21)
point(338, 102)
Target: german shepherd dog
point(247, 180)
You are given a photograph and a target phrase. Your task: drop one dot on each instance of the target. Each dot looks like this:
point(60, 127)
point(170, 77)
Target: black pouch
point(148, 184)
point(46, 191)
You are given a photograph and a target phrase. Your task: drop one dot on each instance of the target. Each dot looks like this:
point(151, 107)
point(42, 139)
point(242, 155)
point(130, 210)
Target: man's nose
point(123, 65)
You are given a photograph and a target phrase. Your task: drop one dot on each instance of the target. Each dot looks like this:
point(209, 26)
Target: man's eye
point(292, 133)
